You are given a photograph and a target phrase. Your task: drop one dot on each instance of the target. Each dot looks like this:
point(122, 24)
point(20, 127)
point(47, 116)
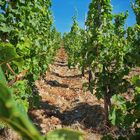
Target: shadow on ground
point(70, 76)
point(55, 83)
point(61, 64)
point(89, 116)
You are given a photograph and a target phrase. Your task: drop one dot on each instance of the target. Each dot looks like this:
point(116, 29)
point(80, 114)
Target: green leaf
point(113, 116)
point(136, 80)
point(6, 29)
point(7, 53)
point(64, 134)
point(2, 76)
point(10, 114)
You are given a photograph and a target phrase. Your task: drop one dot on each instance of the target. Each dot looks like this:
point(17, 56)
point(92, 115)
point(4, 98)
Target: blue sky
point(63, 10)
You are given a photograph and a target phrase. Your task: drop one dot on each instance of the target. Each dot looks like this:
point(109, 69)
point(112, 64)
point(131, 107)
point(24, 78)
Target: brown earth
point(9, 134)
point(65, 104)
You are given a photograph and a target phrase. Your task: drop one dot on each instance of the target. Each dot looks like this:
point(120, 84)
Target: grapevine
point(105, 52)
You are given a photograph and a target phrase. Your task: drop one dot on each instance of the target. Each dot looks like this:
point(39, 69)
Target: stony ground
point(65, 104)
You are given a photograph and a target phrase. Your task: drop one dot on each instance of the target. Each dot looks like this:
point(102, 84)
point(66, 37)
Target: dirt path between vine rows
point(65, 104)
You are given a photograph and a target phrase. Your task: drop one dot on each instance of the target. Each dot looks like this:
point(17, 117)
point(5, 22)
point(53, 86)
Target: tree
point(107, 49)
point(73, 43)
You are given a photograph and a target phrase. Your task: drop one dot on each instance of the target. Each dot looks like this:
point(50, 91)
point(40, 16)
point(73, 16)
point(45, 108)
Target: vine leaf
point(64, 134)
point(14, 117)
point(8, 54)
point(2, 76)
